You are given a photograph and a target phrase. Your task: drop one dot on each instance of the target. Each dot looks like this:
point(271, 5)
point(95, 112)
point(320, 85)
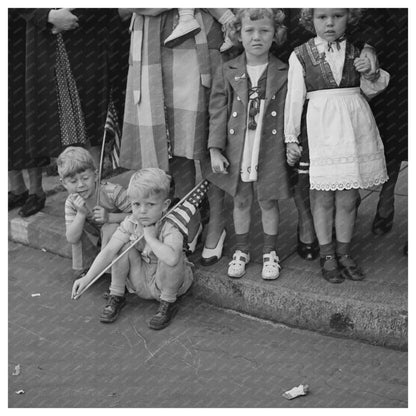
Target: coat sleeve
point(295, 98)
point(218, 111)
point(39, 17)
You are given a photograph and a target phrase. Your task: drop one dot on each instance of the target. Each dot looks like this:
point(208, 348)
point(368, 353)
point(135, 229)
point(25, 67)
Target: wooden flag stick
point(100, 168)
point(133, 244)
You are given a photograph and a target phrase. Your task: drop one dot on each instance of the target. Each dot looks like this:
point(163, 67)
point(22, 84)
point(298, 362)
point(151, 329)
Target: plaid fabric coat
point(166, 110)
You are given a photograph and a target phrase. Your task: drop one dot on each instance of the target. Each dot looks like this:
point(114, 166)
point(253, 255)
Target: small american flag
point(182, 213)
point(112, 126)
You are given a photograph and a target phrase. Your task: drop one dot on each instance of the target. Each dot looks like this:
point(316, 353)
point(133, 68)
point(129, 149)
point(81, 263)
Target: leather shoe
point(183, 31)
point(382, 225)
point(17, 200)
point(33, 204)
point(349, 268)
point(308, 251)
point(211, 256)
point(330, 269)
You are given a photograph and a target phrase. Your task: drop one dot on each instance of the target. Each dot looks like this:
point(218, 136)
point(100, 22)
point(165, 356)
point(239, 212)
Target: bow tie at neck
point(336, 42)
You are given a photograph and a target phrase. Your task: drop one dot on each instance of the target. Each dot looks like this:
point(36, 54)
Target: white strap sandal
point(237, 266)
point(271, 266)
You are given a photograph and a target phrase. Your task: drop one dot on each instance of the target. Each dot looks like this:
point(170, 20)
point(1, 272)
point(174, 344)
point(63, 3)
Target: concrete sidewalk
point(374, 310)
point(60, 355)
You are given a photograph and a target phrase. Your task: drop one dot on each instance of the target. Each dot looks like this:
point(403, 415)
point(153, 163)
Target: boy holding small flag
point(156, 267)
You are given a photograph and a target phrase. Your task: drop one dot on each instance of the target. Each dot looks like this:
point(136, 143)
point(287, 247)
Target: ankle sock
point(241, 243)
point(117, 290)
point(343, 248)
point(269, 243)
point(326, 249)
point(19, 192)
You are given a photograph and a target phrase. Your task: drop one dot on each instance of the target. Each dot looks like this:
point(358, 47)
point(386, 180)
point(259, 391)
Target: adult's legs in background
point(216, 216)
point(183, 173)
point(35, 201)
point(303, 204)
point(18, 191)
point(383, 221)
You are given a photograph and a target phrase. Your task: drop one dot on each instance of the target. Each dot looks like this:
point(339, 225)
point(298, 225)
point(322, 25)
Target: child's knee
point(173, 275)
point(242, 202)
point(268, 205)
point(323, 199)
point(348, 203)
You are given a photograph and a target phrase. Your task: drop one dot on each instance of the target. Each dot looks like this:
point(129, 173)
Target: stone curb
point(376, 323)
point(382, 322)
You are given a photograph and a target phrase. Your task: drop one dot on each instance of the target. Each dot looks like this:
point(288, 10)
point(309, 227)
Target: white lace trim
point(291, 139)
point(347, 159)
point(341, 185)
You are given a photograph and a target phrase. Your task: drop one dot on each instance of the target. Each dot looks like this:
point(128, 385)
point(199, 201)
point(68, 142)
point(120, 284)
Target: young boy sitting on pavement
point(88, 223)
point(156, 267)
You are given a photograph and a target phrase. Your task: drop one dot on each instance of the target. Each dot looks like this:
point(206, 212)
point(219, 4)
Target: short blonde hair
point(275, 15)
point(306, 18)
point(149, 181)
point(74, 160)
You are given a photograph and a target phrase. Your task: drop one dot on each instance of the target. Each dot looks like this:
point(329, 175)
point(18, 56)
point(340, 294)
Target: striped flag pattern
point(181, 214)
point(111, 125)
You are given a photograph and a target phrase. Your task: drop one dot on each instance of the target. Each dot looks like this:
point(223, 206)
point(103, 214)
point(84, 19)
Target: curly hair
point(275, 15)
point(306, 18)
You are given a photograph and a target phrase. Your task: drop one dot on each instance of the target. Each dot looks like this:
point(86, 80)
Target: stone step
point(374, 310)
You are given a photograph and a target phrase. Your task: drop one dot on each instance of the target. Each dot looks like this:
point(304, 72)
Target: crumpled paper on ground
point(300, 390)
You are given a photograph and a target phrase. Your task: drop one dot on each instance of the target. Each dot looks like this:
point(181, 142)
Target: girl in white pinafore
point(327, 83)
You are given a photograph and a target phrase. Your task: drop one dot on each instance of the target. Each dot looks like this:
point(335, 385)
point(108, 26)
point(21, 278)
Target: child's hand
point(100, 214)
point(370, 53)
point(293, 153)
point(78, 287)
point(149, 232)
point(219, 162)
point(362, 65)
point(80, 205)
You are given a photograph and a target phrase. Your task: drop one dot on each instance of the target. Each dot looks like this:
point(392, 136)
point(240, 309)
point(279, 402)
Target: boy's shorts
point(142, 281)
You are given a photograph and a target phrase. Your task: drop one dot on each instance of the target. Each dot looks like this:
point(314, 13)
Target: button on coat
point(229, 96)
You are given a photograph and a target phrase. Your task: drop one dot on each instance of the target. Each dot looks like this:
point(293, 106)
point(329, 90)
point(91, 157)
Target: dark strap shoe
point(349, 268)
point(17, 200)
point(308, 251)
point(330, 269)
point(112, 310)
point(33, 204)
point(164, 315)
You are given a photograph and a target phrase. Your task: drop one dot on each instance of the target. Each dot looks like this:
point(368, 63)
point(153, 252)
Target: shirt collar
point(322, 42)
